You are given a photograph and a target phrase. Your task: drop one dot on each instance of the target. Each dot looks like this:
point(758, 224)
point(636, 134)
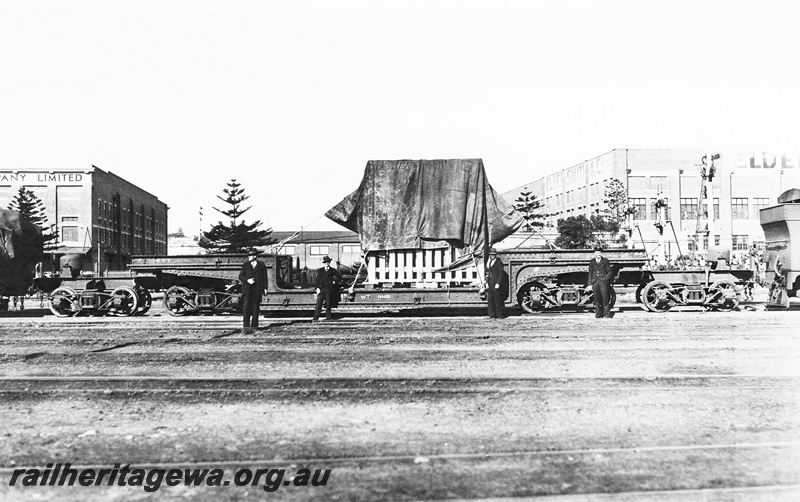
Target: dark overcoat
point(329, 279)
point(259, 274)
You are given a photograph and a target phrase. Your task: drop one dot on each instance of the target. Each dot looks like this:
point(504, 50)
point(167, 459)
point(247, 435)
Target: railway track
point(37, 385)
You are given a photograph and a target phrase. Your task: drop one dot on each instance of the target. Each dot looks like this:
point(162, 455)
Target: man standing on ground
point(600, 279)
point(494, 277)
point(253, 277)
point(328, 281)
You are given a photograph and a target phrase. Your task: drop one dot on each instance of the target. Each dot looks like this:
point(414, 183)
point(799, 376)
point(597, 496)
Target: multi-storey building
point(97, 213)
point(743, 183)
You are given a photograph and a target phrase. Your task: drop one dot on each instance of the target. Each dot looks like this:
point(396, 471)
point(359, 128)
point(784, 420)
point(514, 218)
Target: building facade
point(743, 183)
point(97, 213)
point(309, 247)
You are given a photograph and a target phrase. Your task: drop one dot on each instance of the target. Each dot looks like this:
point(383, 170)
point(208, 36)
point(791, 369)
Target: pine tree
point(618, 207)
point(617, 202)
point(32, 208)
point(237, 236)
point(527, 205)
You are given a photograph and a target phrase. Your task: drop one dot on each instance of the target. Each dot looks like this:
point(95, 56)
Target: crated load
point(407, 204)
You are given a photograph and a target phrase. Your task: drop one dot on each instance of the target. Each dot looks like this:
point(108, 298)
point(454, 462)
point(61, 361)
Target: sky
point(292, 98)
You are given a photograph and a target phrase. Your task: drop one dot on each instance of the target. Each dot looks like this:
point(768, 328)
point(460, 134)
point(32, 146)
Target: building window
point(759, 203)
point(65, 219)
point(639, 208)
point(693, 242)
point(716, 208)
point(351, 248)
point(739, 243)
point(318, 250)
point(287, 250)
point(739, 208)
point(69, 234)
point(688, 209)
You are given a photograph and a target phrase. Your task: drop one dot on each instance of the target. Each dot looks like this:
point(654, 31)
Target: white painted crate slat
point(416, 266)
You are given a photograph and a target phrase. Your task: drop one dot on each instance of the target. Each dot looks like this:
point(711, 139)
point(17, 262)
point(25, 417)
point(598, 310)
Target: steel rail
point(39, 385)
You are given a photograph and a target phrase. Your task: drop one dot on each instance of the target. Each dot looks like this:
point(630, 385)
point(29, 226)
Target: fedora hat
point(253, 252)
point(326, 259)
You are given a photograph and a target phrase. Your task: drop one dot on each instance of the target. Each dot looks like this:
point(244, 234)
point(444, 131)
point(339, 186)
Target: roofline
point(90, 170)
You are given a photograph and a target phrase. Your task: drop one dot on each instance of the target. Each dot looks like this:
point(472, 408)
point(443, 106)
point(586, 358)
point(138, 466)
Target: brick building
point(98, 214)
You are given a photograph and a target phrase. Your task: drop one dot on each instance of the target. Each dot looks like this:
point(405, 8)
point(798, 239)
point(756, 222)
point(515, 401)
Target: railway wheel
point(725, 297)
point(179, 301)
point(64, 302)
point(526, 301)
point(124, 301)
point(145, 301)
point(655, 296)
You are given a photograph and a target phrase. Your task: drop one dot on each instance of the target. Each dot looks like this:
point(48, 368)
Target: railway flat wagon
point(781, 224)
point(208, 284)
point(534, 279)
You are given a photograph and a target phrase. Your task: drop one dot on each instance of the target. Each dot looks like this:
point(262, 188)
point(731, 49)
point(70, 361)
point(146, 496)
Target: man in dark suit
point(328, 281)
point(600, 275)
point(253, 276)
point(494, 277)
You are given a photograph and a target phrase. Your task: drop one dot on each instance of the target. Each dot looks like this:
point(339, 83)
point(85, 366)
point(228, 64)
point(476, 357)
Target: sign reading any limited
point(28, 178)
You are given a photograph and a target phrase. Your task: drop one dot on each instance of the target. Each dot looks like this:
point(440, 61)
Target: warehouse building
point(743, 183)
point(97, 213)
point(309, 247)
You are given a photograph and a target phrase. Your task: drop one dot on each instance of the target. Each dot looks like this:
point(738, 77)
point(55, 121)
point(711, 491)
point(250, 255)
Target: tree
point(237, 236)
point(575, 232)
point(618, 206)
point(32, 208)
point(580, 232)
point(528, 205)
point(605, 230)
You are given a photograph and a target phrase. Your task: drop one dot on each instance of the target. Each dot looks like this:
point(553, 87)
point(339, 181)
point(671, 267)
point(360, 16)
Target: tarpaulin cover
point(412, 204)
point(20, 250)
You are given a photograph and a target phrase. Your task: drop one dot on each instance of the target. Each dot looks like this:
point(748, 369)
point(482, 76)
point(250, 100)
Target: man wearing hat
point(328, 281)
point(494, 277)
point(253, 277)
point(600, 278)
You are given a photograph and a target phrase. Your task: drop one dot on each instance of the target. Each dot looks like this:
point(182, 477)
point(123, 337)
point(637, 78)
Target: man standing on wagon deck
point(600, 279)
point(253, 277)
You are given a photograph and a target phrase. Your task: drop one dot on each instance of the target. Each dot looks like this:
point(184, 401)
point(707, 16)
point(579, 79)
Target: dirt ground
point(687, 405)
